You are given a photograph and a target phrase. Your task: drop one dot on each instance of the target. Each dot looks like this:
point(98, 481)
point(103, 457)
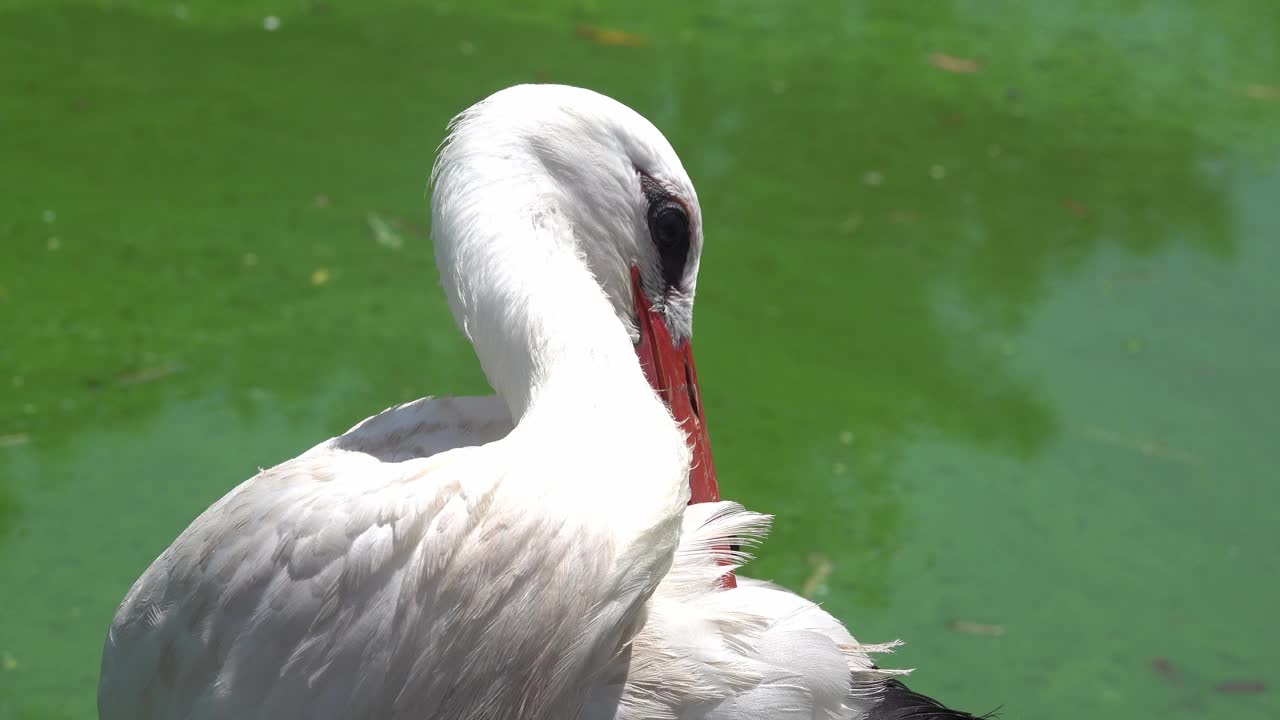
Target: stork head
point(585, 177)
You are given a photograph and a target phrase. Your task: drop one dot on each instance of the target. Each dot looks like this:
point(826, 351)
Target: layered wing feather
point(379, 575)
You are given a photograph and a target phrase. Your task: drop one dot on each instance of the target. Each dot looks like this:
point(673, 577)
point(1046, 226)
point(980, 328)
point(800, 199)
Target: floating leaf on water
point(320, 276)
point(953, 64)
point(610, 36)
point(385, 232)
point(1144, 447)
point(1241, 687)
point(1264, 92)
point(149, 374)
point(815, 585)
point(975, 628)
point(15, 439)
point(1134, 278)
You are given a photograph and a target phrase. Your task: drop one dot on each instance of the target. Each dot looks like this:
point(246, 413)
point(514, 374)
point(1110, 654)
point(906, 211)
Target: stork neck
point(546, 334)
point(574, 354)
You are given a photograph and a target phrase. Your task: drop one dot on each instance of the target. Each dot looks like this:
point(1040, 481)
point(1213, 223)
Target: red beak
point(669, 368)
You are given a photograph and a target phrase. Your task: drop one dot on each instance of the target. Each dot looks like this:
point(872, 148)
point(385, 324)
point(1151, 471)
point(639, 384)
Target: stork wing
point(899, 702)
point(386, 573)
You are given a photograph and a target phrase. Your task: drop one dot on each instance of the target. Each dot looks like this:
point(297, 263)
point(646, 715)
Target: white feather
point(756, 651)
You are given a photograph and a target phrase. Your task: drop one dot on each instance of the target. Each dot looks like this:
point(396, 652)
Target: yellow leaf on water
point(973, 628)
point(1264, 92)
point(815, 585)
point(149, 374)
point(15, 439)
point(953, 64)
point(320, 276)
point(610, 36)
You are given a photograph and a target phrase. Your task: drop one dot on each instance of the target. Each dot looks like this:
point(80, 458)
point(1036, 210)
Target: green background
point(987, 313)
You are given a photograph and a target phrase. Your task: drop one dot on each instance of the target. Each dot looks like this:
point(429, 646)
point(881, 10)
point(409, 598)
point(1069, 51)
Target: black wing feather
point(900, 702)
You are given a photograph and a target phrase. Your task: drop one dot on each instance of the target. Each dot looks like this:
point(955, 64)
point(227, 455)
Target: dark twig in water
point(1165, 669)
point(1242, 687)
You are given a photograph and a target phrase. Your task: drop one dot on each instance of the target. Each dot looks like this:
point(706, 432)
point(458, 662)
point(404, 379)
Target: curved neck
point(541, 325)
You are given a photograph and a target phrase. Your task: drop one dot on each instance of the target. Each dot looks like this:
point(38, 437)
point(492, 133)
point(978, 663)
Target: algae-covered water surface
point(987, 312)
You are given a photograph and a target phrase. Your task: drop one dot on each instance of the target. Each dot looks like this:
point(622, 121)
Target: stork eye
point(669, 227)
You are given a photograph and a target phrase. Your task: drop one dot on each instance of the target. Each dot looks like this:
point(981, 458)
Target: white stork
point(528, 556)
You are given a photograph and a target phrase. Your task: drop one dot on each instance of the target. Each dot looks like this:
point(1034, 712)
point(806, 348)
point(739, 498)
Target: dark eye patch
point(669, 229)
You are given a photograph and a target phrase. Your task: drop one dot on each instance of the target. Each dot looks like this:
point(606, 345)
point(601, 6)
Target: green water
point(997, 346)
